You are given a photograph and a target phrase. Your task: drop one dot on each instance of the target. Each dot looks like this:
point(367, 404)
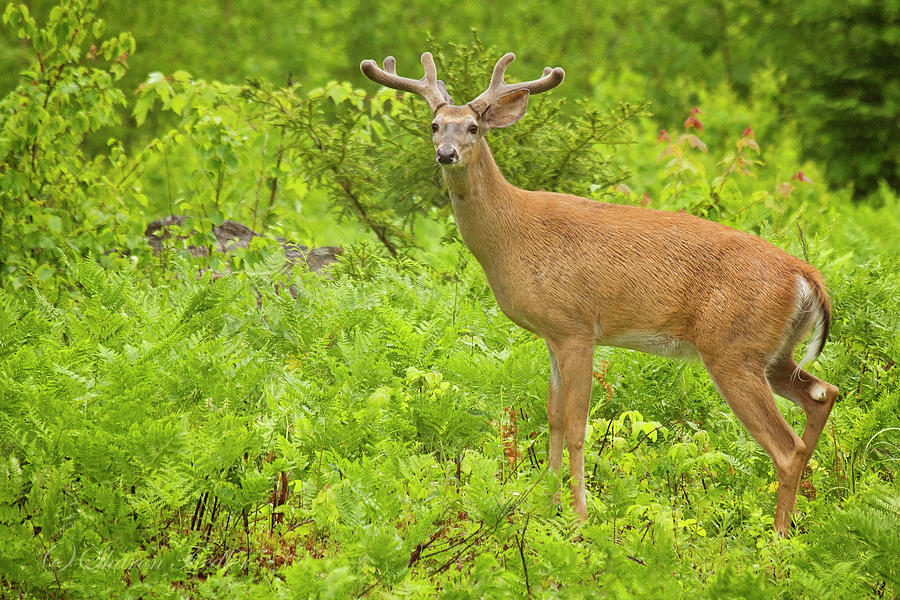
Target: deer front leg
point(555, 416)
point(574, 359)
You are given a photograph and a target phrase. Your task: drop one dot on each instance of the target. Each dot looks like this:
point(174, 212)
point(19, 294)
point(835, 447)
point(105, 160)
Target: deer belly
point(651, 342)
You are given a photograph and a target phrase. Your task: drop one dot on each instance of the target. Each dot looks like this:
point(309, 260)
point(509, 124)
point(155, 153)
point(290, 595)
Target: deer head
point(456, 130)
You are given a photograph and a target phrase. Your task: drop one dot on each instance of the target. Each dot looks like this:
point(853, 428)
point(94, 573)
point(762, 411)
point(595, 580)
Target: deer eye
point(434, 127)
point(473, 129)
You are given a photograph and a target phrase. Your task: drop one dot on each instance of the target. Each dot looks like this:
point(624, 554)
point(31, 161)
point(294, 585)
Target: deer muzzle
point(447, 155)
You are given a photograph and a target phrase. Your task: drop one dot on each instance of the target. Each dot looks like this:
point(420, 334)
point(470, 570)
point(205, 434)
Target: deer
point(581, 273)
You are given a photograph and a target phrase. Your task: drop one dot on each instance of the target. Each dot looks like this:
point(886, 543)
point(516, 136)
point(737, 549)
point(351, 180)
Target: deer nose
point(447, 155)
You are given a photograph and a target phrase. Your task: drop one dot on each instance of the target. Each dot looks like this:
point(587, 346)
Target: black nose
point(447, 156)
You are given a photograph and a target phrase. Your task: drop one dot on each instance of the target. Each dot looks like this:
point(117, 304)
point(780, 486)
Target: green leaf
point(54, 224)
point(141, 107)
point(178, 102)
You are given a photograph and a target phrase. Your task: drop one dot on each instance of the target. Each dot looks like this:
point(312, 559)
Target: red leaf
point(799, 176)
point(748, 133)
point(646, 200)
point(696, 111)
point(693, 121)
point(663, 136)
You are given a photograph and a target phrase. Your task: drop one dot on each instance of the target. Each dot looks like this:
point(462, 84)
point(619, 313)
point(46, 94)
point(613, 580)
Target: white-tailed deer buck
point(581, 273)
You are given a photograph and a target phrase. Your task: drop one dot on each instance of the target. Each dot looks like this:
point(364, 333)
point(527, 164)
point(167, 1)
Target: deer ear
point(507, 109)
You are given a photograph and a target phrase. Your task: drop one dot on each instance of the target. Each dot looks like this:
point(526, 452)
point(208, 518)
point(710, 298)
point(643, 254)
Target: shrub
point(55, 197)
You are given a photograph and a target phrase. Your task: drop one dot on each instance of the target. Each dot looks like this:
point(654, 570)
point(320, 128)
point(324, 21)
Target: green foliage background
point(182, 426)
point(835, 59)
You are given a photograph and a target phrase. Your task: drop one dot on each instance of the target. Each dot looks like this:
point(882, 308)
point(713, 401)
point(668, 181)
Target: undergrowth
point(384, 434)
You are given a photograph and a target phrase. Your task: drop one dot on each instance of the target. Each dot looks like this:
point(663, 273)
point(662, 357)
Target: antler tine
point(499, 71)
point(498, 87)
point(430, 70)
point(428, 86)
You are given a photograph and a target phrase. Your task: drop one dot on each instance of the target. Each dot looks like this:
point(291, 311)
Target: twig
point(602, 446)
point(520, 542)
point(364, 215)
point(168, 179)
point(259, 180)
point(644, 438)
point(247, 533)
point(476, 538)
point(646, 529)
point(273, 190)
point(416, 554)
point(367, 590)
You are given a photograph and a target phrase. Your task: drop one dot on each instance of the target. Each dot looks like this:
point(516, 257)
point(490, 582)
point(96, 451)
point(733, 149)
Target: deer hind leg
point(747, 392)
point(574, 360)
point(814, 396)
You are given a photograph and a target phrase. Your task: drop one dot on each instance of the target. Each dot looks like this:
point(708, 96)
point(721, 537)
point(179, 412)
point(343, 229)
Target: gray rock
point(231, 235)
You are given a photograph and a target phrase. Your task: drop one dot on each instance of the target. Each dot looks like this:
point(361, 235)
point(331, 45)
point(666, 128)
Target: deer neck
point(485, 205)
